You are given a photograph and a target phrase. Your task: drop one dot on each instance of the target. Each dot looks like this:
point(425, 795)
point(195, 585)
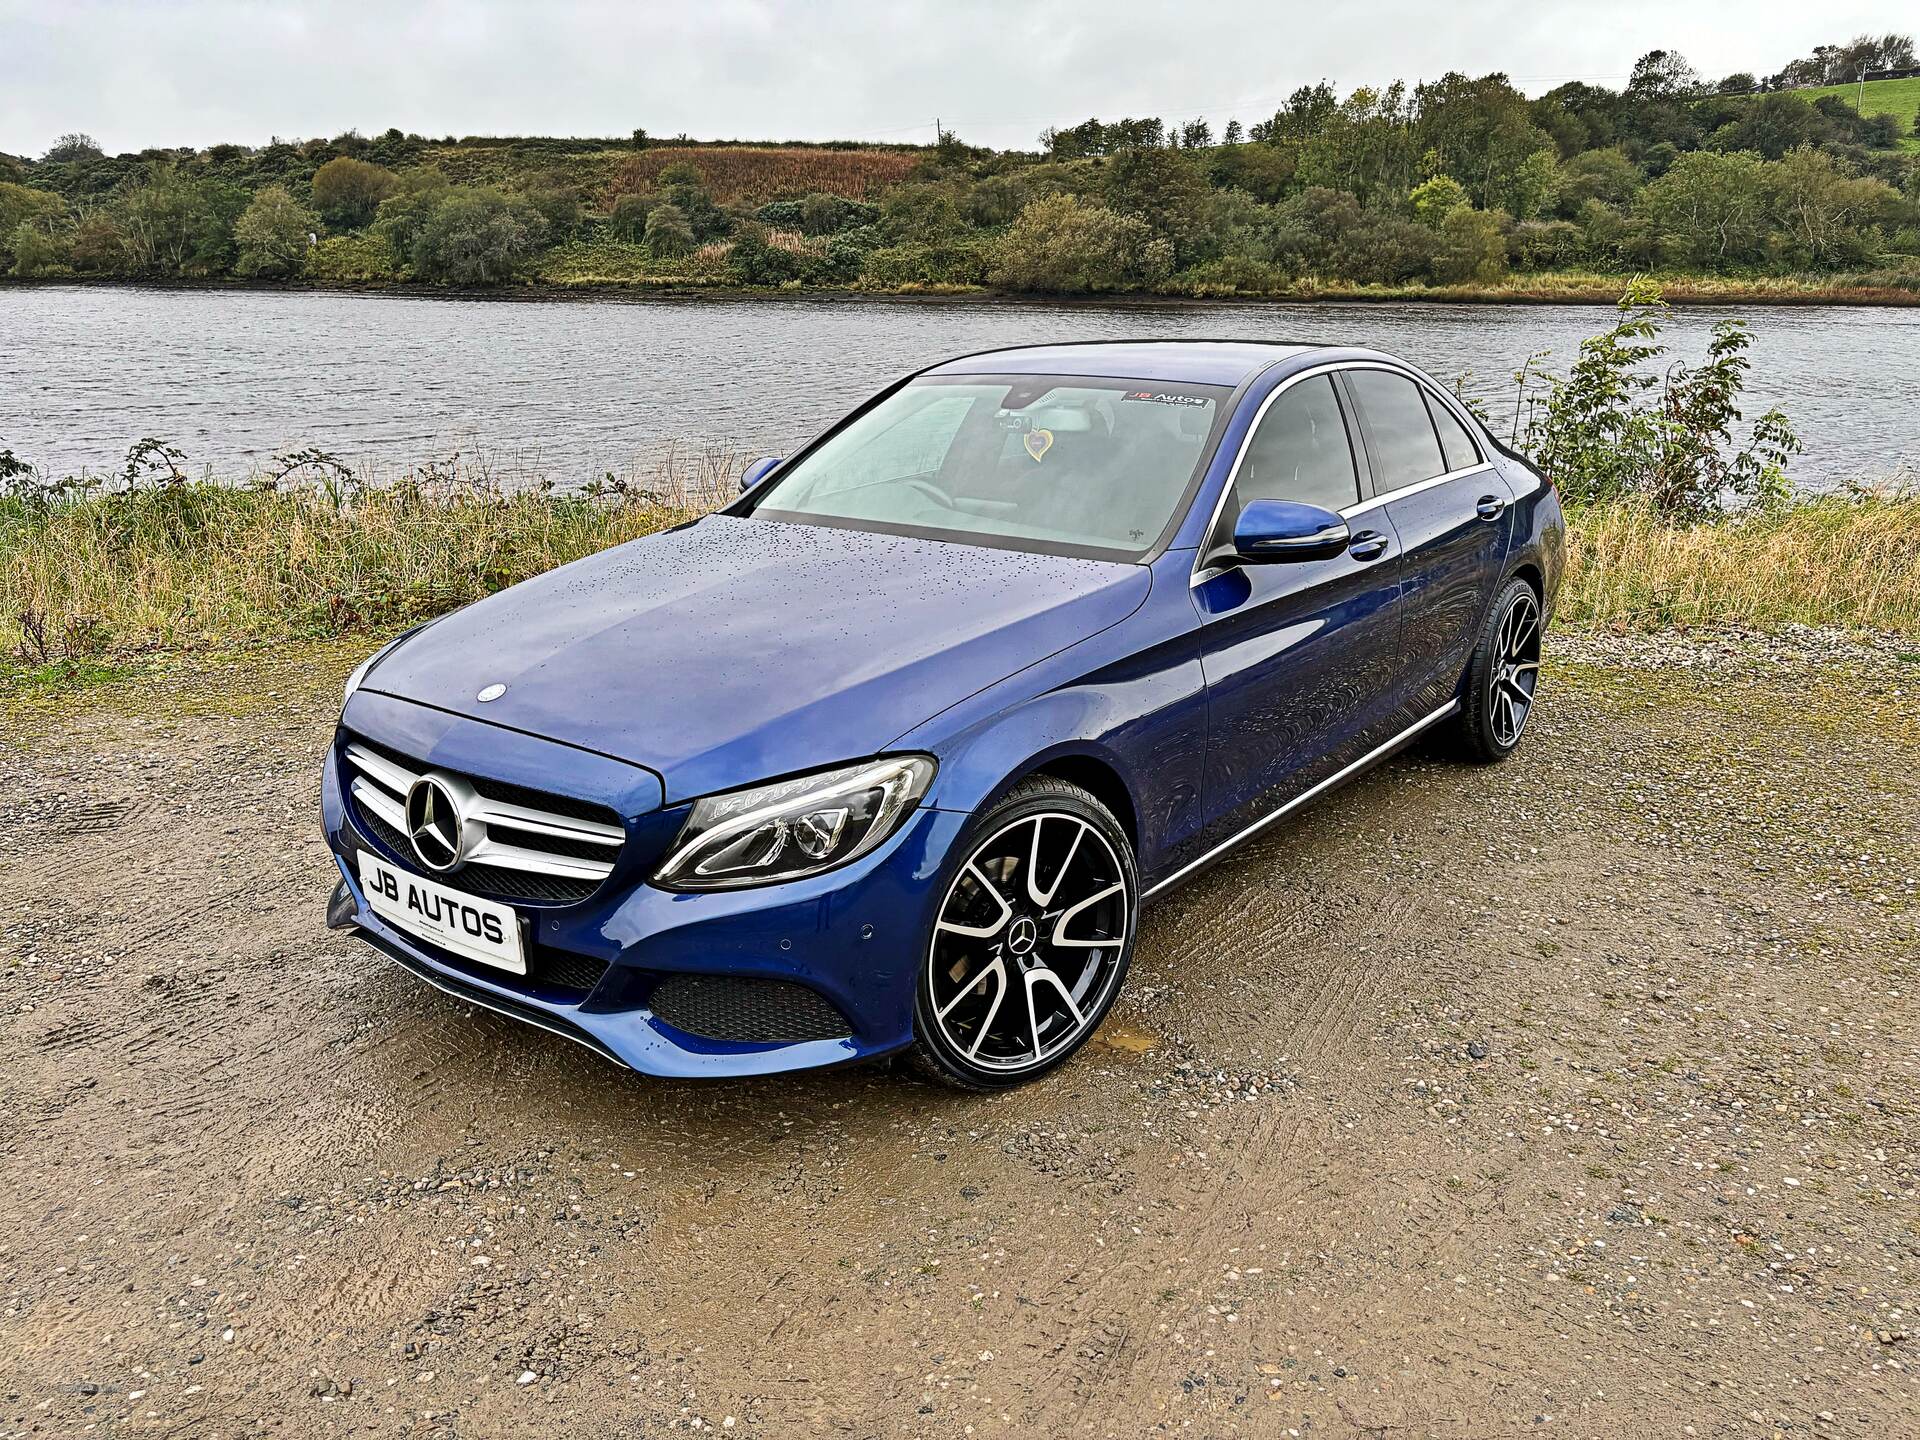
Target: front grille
point(739, 1008)
point(535, 848)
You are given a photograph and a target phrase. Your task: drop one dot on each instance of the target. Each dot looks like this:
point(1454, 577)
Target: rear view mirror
point(1272, 530)
point(758, 471)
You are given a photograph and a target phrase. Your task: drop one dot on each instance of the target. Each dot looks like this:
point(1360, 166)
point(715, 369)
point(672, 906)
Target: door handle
point(1490, 507)
point(1368, 545)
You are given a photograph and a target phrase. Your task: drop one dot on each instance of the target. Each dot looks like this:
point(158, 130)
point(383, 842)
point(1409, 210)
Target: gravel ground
point(1573, 1097)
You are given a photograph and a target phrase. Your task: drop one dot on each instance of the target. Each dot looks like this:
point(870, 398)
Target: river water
point(573, 388)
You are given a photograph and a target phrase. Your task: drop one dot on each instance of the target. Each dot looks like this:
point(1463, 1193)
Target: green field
point(1881, 97)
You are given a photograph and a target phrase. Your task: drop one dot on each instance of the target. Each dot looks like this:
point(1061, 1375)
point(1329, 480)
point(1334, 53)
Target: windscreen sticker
point(1167, 397)
point(1038, 442)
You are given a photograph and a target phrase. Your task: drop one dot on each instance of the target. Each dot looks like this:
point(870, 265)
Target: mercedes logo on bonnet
point(492, 692)
point(435, 825)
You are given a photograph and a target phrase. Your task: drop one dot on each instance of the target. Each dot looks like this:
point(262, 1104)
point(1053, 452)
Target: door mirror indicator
point(758, 471)
point(1276, 530)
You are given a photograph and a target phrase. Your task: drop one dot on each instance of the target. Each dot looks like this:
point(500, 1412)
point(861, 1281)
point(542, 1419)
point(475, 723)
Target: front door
point(1300, 657)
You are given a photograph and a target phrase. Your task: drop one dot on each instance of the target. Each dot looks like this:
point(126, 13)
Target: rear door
point(1299, 656)
point(1450, 510)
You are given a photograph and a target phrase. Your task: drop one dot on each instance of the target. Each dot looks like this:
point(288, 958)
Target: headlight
point(793, 828)
point(360, 670)
point(360, 673)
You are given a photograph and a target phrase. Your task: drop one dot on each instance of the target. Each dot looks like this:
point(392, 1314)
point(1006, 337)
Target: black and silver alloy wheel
point(1515, 670)
point(1031, 940)
point(1504, 674)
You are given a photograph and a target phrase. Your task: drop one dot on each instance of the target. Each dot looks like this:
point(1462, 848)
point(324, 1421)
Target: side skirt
point(1372, 757)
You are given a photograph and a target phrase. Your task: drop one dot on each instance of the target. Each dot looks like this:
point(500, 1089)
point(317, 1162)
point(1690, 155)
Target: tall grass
point(1851, 561)
point(96, 573)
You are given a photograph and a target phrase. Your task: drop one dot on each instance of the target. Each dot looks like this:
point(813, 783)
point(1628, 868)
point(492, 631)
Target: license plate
point(476, 929)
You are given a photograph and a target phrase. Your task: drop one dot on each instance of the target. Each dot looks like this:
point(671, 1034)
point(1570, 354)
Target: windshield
point(1062, 463)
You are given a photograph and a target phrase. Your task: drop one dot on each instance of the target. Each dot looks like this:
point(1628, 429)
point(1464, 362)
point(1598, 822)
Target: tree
point(1741, 82)
point(477, 236)
point(1663, 75)
point(667, 231)
point(1825, 215)
point(175, 225)
point(1164, 189)
point(72, 147)
point(348, 192)
point(628, 218)
point(403, 214)
point(1433, 200)
point(1473, 247)
point(1480, 131)
point(39, 247)
point(1060, 243)
point(1597, 175)
point(272, 235)
point(1196, 135)
point(20, 204)
point(1710, 209)
point(1232, 135)
point(1307, 112)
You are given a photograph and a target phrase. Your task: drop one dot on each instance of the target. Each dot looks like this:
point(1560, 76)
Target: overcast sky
point(196, 72)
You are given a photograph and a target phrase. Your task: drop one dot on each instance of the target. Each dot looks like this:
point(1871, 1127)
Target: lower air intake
point(748, 1011)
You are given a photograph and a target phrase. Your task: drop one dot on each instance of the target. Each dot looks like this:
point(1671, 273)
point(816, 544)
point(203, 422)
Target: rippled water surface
point(577, 387)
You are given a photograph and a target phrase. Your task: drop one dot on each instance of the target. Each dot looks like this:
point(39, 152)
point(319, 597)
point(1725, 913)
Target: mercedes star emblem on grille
point(434, 825)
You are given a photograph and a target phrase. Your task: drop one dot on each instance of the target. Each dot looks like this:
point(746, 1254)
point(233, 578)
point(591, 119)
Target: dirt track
point(1576, 1097)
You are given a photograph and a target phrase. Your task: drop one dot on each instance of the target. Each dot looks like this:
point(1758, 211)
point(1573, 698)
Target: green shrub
point(668, 232)
point(1433, 200)
point(628, 218)
point(348, 192)
point(1615, 427)
point(1061, 244)
point(755, 260)
point(477, 236)
point(1231, 275)
point(1473, 247)
point(962, 260)
point(40, 249)
point(350, 260)
point(272, 235)
point(1545, 244)
point(19, 204)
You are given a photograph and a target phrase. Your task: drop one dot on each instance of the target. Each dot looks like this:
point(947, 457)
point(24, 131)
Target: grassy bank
point(90, 580)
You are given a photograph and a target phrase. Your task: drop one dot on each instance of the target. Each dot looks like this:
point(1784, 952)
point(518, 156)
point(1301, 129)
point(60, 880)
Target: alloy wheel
point(1515, 671)
point(1029, 943)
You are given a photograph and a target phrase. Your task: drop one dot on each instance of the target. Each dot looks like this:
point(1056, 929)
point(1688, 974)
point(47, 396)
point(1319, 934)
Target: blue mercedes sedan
point(888, 754)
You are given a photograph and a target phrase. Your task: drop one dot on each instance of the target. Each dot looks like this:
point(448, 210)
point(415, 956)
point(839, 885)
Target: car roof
point(1191, 362)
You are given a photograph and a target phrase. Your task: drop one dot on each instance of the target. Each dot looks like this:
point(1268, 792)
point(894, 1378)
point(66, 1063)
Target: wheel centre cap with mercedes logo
point(437, 825)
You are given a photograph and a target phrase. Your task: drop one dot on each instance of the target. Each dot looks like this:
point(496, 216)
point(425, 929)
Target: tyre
point(1502, 675)
point(1031, 940)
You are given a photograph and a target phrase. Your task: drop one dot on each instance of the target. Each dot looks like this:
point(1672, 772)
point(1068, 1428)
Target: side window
point(1455, 443)
point(1400, 438)
point(1301, 451)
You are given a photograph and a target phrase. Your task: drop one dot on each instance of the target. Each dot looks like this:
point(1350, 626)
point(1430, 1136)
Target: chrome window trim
point(1201, 574)
point(1413, 489)
point(1379, 752)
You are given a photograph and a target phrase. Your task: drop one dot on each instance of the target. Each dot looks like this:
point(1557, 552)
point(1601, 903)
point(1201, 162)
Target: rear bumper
point(852, 937)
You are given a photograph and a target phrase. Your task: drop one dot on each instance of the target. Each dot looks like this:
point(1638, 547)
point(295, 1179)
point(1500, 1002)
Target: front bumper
point(852, 937)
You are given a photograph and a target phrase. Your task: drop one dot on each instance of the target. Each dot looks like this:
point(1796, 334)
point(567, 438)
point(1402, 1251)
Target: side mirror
point(758, 471)
point(1270, 530)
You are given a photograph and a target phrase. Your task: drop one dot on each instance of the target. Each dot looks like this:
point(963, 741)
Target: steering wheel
point(931, 491)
